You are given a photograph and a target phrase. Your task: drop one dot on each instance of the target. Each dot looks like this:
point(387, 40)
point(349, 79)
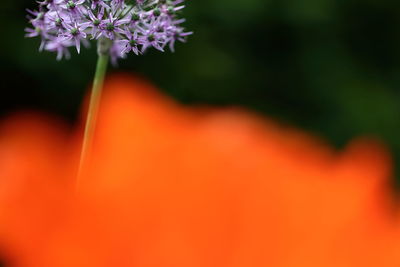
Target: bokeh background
point(331, 67)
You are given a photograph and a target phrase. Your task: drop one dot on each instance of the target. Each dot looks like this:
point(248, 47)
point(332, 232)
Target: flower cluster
point(122, 25)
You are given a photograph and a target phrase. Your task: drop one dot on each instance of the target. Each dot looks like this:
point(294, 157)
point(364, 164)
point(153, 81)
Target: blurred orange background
point(171, 186)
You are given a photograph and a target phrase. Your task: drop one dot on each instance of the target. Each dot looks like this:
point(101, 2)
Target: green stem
point(91, 118)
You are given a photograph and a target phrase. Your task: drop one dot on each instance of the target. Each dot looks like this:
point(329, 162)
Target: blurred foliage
point(331, 67)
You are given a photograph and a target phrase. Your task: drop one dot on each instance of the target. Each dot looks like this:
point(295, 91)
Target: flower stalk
point(94, 103)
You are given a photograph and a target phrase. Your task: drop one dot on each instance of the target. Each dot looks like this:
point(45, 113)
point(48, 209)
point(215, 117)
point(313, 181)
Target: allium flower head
point(126, 25)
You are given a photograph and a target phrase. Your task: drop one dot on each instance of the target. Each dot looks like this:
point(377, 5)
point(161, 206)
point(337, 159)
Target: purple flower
point(112, 26)
point(60, 46)
point(116, 52)
point(152, 35)
point(130, 43)
point(94, 22)
point(75, 33)
point(130, 26)
point(96, 3)
point(74, 7)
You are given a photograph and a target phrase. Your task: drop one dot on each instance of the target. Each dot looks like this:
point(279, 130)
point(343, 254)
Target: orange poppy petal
point(174, 186)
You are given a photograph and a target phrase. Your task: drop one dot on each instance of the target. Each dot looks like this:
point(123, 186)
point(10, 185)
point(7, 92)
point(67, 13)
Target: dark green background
point(331, 67)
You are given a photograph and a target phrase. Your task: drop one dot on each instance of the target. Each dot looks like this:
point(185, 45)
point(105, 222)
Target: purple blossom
point(129, 25)
point(60, 46)
point(111, 27)
point(117, 51)
point(75, 33)
point(94, 22)
point(130, 43)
